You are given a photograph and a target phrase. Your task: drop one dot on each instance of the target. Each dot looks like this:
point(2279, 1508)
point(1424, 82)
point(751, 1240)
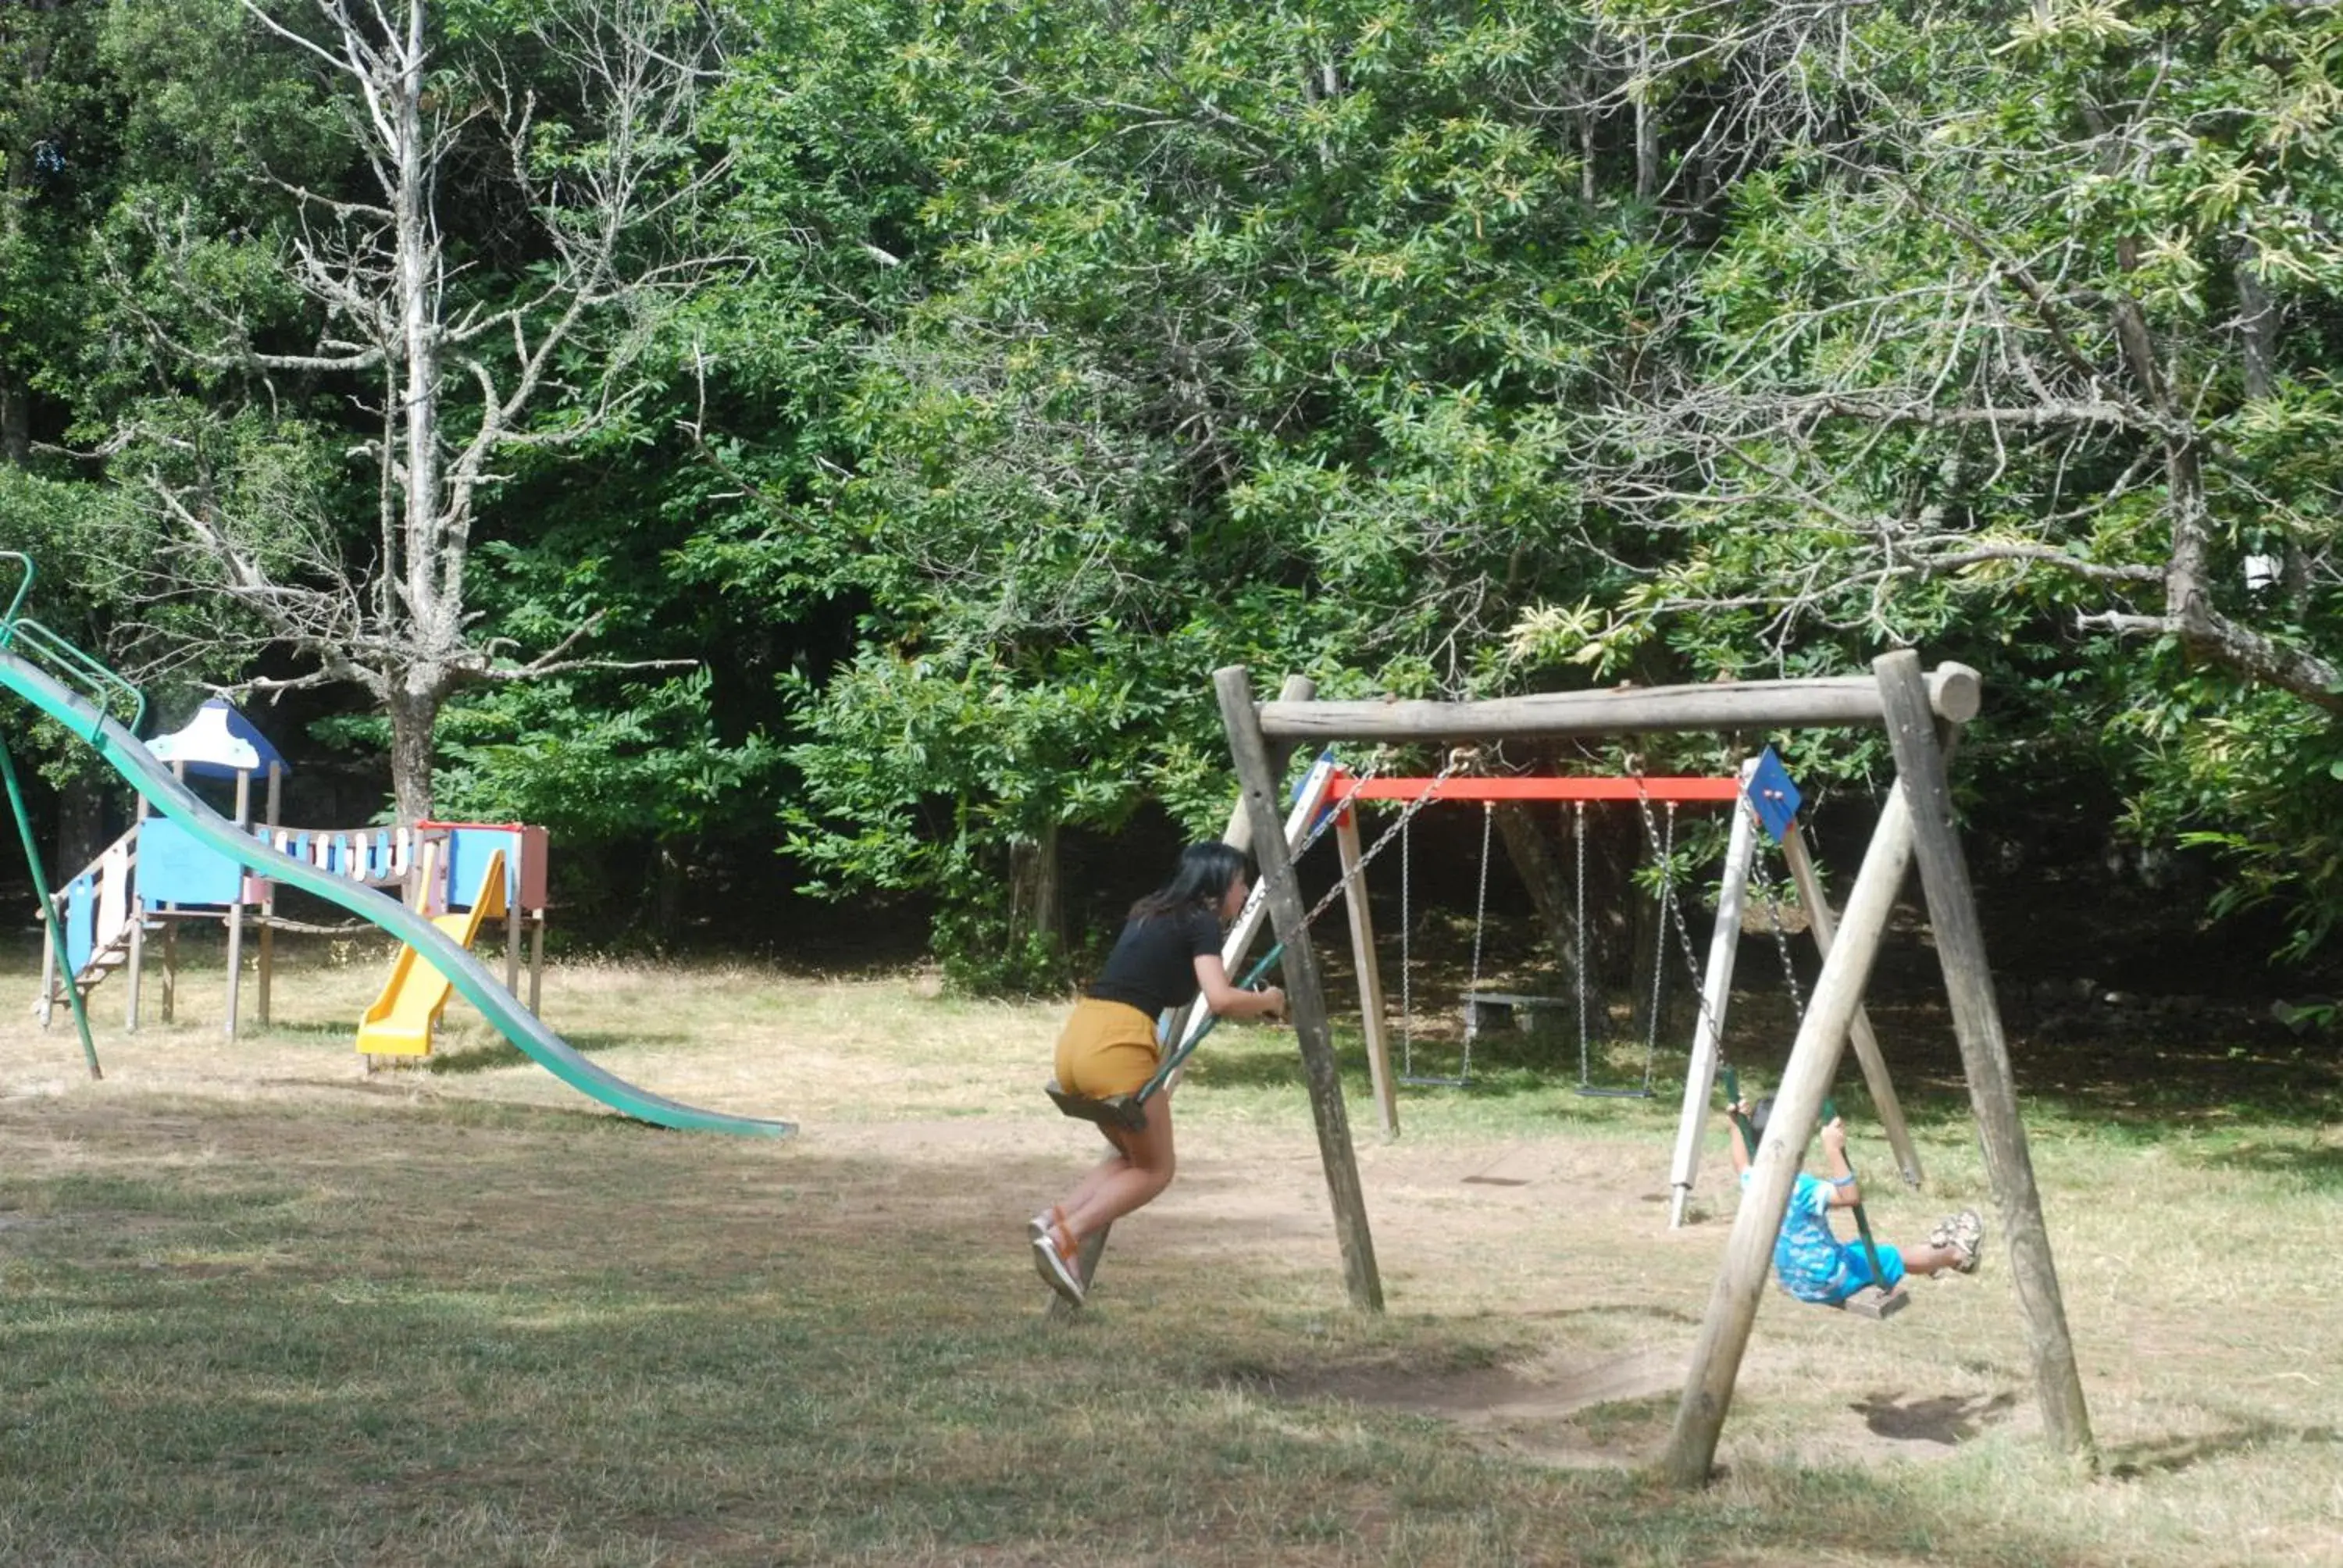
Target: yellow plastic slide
point(400, 1021)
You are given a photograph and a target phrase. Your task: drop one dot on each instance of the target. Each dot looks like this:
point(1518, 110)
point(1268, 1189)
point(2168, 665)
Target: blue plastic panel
point(1772, 796)
point(174, 867)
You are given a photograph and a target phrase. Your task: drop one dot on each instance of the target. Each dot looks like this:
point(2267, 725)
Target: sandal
point(1054, 1259)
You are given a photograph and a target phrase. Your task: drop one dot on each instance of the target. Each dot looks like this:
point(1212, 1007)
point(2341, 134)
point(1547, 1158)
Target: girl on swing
point(1170, 951)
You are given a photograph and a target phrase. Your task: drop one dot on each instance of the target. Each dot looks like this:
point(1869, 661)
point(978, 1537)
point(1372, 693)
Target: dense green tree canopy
point(1038, 358)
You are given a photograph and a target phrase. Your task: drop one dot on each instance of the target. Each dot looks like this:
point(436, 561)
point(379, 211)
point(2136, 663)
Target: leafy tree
point(480, 287)
point(1238, 333)
point(2020, 346)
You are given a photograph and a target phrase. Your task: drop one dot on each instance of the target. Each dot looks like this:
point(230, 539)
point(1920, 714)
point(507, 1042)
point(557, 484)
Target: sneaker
point(1054, 1261)
point(1964, 1233)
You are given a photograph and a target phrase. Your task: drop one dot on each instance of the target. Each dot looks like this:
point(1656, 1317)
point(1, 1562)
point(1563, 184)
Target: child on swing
point(1809, 1259)
point(1170, 951)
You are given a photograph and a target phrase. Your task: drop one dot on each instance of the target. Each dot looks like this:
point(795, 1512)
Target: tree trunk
point(414, 715)
point(81, 826)
point(1035, 904)
point(669, 889)
point(15, 422)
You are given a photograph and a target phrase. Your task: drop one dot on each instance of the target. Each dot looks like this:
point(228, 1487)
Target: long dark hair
point(1201, 880)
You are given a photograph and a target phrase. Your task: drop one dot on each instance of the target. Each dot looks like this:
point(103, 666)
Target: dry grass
point(259, 1307)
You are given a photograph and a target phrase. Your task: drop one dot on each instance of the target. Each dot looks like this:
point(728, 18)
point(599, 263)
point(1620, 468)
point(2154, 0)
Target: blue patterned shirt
point(1809, 1259)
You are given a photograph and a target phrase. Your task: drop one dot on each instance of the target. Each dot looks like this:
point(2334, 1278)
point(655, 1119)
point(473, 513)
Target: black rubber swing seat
point(1126, 1111)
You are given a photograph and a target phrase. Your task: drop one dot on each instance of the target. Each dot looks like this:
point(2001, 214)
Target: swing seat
point(1125, 1111)
point(1876, 1304)
point(1488, 1008)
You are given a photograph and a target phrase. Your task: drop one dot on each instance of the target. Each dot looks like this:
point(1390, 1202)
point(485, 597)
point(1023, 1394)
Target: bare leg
point(1096, 1177)
point(1128, 1181)
point(1926, 1260)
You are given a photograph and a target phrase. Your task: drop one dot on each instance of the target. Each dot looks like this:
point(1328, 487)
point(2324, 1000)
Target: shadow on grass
point(476, 1059)
point(1946, 1419)
point(2318, 1168)
point(2169, 1456)
point(496, 1053)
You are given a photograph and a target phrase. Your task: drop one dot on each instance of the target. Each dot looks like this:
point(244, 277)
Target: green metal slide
point(153, 779)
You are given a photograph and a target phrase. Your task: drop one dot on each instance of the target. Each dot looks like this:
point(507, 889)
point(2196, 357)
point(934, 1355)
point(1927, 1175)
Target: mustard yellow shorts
point(1106, 1047)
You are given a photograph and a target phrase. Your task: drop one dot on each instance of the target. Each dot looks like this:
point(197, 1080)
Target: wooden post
point(1715, 996)
point(1984, 1051)
point(268, 899)
point(1824, 925)
point(171, 933)
point(236, 906)
point(52, 912)
point(536, 956)
point(1797, 1106)
point(137, 936)
point(1370, 977)
point(512, 927)
point(1303, 994)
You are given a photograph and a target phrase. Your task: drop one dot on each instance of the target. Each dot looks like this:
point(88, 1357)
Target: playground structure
point(1760, 781)
point(103, 711)
point(158, 877)
point(1326, 796)
point(1922, 714)
point(1342, 796)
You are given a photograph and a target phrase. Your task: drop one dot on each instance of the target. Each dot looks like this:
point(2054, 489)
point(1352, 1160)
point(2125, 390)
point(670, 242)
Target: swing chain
point(1406, 958)
point(1675, 910)
point(1359, 871)
point(1578, 827)
point(1782, 938)
point(1659, 958)
point(1480, 925)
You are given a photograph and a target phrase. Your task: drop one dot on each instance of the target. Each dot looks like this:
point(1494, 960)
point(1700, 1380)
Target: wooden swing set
point(1923, 713)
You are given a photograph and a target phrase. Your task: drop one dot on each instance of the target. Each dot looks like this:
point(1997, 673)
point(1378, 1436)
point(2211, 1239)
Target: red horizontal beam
point(1719, 791)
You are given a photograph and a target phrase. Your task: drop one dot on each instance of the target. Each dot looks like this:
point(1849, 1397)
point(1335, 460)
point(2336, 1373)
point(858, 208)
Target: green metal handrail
point(43, 645)
point(31, 638)
point(24, 587)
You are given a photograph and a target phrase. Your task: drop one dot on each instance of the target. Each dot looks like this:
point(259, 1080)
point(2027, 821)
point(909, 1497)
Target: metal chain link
point(1660, 954)
point(1360, 870)
point(1578, 813)
point(1480, 924)
point(1684, 933)
point(1782, 936)
point(1406, 962)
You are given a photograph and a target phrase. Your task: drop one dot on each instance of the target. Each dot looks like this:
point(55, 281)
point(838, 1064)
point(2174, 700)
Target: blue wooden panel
point(81, 921)
point(174, 867)
point(469, 852)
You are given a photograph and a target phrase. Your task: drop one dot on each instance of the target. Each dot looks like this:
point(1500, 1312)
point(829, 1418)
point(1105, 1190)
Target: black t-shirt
point(1153, 965)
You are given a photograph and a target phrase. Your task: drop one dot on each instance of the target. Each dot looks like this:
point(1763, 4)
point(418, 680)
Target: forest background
point(812, 453)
